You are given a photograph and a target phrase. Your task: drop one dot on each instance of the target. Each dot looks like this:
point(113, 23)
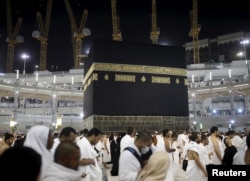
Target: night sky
point(215, 17)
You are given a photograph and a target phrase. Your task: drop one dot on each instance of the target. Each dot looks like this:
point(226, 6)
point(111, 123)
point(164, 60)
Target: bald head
point(67, 154)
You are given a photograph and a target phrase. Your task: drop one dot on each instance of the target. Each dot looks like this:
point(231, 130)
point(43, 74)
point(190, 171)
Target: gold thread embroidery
point(143, 79)
point(134, 69)
point(177, 81)
point(161, 80)
point(95, 76)
point(106, 77)
point(125, 78)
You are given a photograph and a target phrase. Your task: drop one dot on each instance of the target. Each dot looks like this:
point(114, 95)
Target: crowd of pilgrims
point(87, 155)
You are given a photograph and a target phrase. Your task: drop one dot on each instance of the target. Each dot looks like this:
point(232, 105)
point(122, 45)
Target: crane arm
point(77, 33)
point(155, 30)
point(194, 31)
point(17, 27)
point(114, 16)
point(44, 30)
point(12, 35)
point(195, 15)
point(154, 23)
point(9, 17)
point(115, 21)
point(73, 31)
point(83, 21)
point(40, 22)
point(47, 18)
point(11, 40)
point(44, 25)
point(71, 16)
point(78, 39)
point(195, 27)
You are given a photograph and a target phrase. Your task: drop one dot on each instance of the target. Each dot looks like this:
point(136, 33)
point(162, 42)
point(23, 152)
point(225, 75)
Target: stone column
point(14, 123)
point(54, 111)
point(246, 97)
point(202, 112)
point(43, 104)
point(232, 103)
point(15, 105)
point(194, 106)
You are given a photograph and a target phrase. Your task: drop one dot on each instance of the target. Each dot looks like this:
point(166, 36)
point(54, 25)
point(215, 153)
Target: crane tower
point(42, 35)
point(194, 32)
point(115, 21)
point(12, 38)
point(155, 30)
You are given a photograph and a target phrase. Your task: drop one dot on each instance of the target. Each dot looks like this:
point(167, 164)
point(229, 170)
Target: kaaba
point(133, 79)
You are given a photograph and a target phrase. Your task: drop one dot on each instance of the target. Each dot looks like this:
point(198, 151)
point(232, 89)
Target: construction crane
point(42, 34)
point(78, 33)
point(155, 32)
point(194, 31)
point(12, 38)
point(115, 21)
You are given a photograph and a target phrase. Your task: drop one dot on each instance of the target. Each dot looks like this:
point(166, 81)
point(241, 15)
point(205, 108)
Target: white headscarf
point(37, 138)
point(156, 168)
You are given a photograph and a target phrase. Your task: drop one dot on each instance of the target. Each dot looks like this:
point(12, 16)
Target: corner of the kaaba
point(135, 84)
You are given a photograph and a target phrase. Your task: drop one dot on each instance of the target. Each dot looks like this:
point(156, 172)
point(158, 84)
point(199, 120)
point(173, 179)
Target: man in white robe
point(242, 157)
point(127, 139)
point(165, 145)
point(129, 165)
point(237, 141)
point(204, 153)
point(66, 134)
point(89, 163)
point(182, 141)
point(215, 145)
point(195, 170)
point(66, 163)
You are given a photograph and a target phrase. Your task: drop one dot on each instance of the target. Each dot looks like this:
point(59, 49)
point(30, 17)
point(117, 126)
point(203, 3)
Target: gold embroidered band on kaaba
point(134, 69)
point(126, 68)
